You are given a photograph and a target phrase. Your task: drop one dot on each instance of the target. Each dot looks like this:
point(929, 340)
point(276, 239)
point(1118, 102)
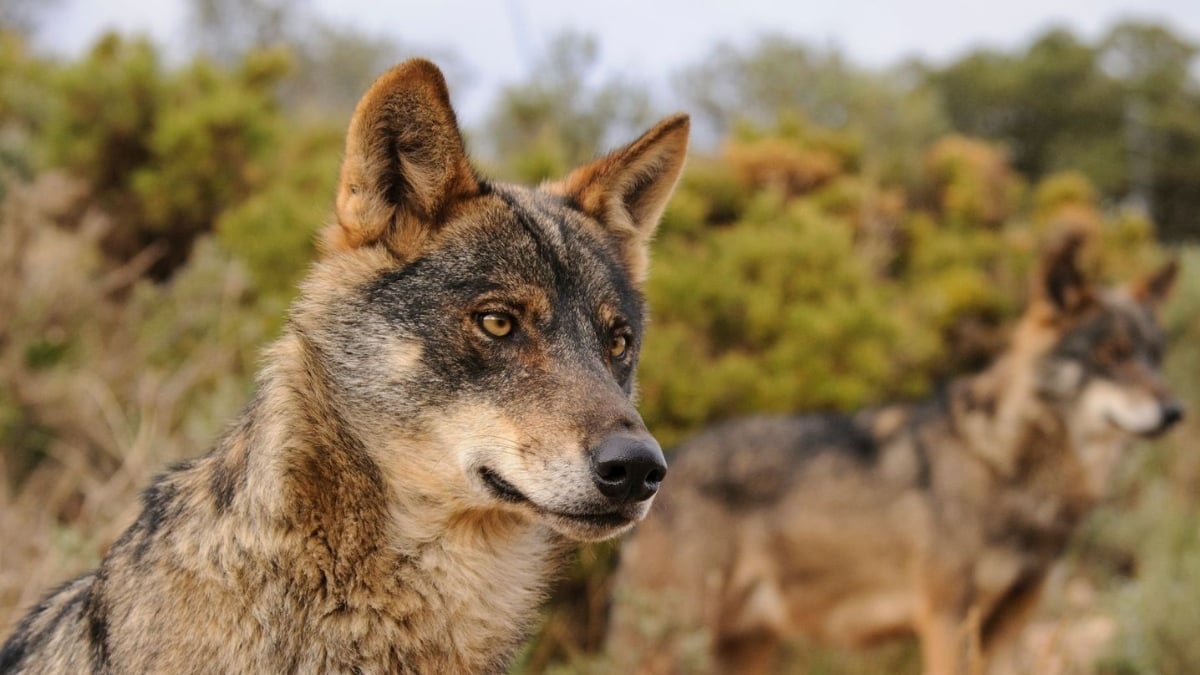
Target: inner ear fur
point(1156, 287)
point(405, 163)
point(1061, 283)
point(627, 190)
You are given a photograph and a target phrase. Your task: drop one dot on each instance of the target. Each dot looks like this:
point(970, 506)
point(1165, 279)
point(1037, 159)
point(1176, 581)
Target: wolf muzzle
point(627, 468)
point(1172, 414)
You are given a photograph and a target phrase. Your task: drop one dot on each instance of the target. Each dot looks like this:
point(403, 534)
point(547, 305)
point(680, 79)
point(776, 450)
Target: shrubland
point(853, 237)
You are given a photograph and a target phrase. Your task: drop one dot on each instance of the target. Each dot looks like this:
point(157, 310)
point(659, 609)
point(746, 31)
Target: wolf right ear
point(628, 189)
point(405, 162)
point(1061, 283)
point(1155, 288)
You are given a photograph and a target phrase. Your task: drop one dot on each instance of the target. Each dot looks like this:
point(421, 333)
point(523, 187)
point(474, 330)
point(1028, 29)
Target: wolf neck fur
point(1005, 422)
point(365, 541)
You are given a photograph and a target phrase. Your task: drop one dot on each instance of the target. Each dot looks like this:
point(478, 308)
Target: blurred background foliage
point(851, 236)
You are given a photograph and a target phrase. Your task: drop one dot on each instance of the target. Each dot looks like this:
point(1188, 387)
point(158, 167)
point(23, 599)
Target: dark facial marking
point(509, 254)
point(1110, 339)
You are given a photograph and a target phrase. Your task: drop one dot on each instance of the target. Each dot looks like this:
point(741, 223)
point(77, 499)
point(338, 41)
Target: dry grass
point(104, 379)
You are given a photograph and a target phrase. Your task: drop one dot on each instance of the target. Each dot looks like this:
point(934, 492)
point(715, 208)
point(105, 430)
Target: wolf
point(449, 408)
point(940, 518)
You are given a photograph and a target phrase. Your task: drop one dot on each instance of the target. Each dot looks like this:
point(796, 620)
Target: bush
point(163, 152)
point(802, 289)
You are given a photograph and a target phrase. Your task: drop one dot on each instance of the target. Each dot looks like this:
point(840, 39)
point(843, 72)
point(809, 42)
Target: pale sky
point(647, 40)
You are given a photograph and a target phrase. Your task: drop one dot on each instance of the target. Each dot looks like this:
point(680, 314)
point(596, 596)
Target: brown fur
point(940, 519)
point(404, 484)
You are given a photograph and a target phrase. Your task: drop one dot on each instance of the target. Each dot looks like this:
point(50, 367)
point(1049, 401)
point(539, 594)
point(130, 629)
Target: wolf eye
point(1154, 353)
point(1120, 350)
point(618, 346)
point(497, 324)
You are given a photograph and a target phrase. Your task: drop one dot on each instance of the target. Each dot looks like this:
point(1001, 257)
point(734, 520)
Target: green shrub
point(164, 152)
point(810, 293)
point(273, 230)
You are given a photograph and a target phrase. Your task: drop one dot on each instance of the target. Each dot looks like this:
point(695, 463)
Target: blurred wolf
point(940, 519)
point(448, 409)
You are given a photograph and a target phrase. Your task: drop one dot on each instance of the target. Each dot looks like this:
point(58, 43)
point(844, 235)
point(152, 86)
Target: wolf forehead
point(521, 249)
point(1117, 326)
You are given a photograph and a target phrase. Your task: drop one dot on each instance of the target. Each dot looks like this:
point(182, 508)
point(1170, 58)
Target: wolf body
point(447, 411)
point(941, 518)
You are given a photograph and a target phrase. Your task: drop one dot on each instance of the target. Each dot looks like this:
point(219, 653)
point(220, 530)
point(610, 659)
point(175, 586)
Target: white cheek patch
point(479, 436)
point(402, 358)
point(1133, 411)
point(551, 472)
point(1065, 377)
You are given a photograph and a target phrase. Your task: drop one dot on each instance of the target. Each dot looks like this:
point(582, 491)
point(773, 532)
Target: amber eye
point(496, 324)
point(618, 346)
point(1120, 350)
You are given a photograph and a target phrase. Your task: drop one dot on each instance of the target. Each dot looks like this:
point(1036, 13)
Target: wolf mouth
point(502, 488)
point(507, 492)
point(1143, 433)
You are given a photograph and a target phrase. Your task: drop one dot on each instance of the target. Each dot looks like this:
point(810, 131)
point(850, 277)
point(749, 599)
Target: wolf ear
point(1061, 283)
point(627, 190)
point(1156, 287)
point(404, 164)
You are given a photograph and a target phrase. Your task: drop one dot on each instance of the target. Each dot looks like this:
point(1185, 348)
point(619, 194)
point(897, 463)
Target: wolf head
point(480, 339)
point(1095, 357)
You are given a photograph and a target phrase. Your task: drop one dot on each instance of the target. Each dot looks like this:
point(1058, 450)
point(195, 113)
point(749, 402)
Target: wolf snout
point(1172, 412)
point(628, 468)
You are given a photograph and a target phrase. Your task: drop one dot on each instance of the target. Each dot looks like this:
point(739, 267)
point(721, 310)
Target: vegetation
point(856, 236)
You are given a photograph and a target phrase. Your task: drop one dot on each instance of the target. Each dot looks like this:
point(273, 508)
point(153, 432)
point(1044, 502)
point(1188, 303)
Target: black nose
point(1171, 413)
point(628, 468)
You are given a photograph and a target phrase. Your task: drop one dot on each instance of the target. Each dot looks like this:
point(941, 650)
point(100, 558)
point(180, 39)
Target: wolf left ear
point(405, 162)
point(1061, 282)
point(628, 189)
point(1156, 287)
